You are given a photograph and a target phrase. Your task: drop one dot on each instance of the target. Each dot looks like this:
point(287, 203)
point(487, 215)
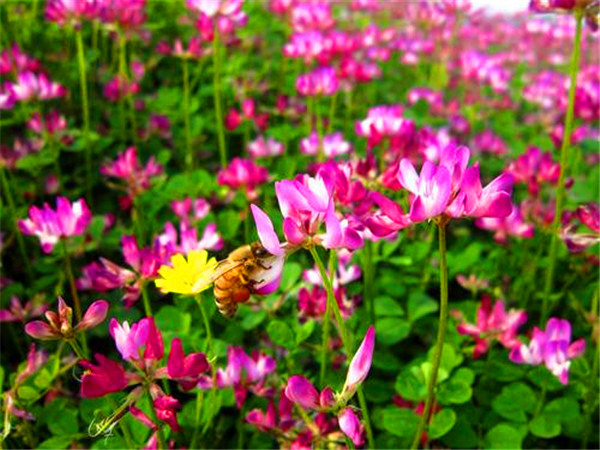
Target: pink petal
point(266, 232)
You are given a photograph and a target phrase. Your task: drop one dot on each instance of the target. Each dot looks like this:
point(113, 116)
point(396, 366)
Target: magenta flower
point(188, 238)
point(552, 347)
point(104, 276)
point(60, 326)
point(589, 216)
point(321, 81)
point(333, 145)
point(431, 189)
point(13, 60)
point(102, 379)
point(119, 87)
point(17, 312)
point(51, 124)
point(166, 408)
point(243, 174)
point(534, 168)
point(196, 208)
point(261, 148)
point(313, 303)
point(493, 323)
point(185, 369)
point(302, 392)
point(30, 86)
point(129, 340)
point(51, 225)
point(351, 426)
point(71, 12)
point(382, 121)
point(361, 363)
point(511, 225)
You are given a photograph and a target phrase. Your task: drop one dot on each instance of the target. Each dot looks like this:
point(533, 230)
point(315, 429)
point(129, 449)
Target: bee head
point(259, 251)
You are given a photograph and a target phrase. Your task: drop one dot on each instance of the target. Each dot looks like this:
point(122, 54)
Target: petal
point(94, 315)
point(266, 232)
point(40, 330)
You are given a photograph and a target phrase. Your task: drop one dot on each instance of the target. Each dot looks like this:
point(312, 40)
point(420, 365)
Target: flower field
point(299, 224)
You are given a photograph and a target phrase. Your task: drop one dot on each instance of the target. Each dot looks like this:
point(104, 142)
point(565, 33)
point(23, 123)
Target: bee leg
point(244, 279)
point(262, 266)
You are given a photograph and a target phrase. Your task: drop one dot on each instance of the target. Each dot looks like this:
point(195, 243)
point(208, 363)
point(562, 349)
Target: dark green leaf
point(442, 423)
point(281, 334)
point(545, 426)
point(400, 421)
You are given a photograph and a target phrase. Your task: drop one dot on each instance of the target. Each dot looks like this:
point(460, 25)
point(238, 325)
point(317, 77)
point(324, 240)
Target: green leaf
point(514, 401)
point(253, 318)
point(281, 334)
point(545, 426)
point(291, 274)
point(503, 436)
point(400, 421)
point(564, 409)
point(170, 318)
point(461, 435)
point(420, 304)
point(304, 331)
point(454, 391)
point(392, 330)
point(62, 421)
point(410, 387)
point(464, 374)
point(387, 306)
point(442, 423)
point(57, 442)
point(27, 393)
point(450, 357)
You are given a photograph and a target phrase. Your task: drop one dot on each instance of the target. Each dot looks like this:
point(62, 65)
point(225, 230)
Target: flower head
point(187, 277)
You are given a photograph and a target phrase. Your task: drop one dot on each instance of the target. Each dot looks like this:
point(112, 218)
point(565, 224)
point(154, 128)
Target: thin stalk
point(217, 94)
point(71, 279)
point(76, 348)
point(146, 300)
point(199, 401)
point(368, 271)
point(332, 112)
point(331, 305)
point(86, 113)
point(189, 161)
point(362, 401)
point(209, 344)
point(439, 344)
point(211, 353)
point(319, 126)
point(10, 201)
point(157, 423)
point(564, 159)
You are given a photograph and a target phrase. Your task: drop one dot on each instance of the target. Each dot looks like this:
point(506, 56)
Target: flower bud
point(301, 391)
point(361, 363)
point(351, 426)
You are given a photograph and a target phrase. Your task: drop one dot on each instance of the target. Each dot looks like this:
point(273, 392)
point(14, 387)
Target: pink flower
point(261, 148)
point(104, 378)
point(588, 215)
point(119, 88)
point(431, 189)
point(70, 12)
point(321, 81)
point(104, 276)
point(313, 303)
point(261, 420)
point(333, 145)
point(211, 239)
point(166, 408)
point(382, 121)
point(552, 347)
point(534, 168)
point(511, 225)
point(243, 173)
point(50, 225)
point(198, 208)
point(493, 323)
point(17, 312)
point(351, 426)
point(51, 124)
point(128, 168)
point(130, 340)
point(30, 86)
point(60, 326)
point(302, 392)
point(361, 362)
point(185, 369)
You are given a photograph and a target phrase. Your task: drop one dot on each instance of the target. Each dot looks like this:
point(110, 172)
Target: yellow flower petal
point(187, 277)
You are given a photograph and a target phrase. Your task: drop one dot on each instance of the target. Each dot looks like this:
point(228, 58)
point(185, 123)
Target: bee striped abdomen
point(229, 291)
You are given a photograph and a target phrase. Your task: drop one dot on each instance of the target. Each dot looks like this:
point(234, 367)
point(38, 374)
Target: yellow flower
point(187, 277)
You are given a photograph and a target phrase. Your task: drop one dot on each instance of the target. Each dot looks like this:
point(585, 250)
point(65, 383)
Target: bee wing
point(223, 267)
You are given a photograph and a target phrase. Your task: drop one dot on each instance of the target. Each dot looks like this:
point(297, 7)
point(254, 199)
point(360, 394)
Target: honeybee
point(236, 277)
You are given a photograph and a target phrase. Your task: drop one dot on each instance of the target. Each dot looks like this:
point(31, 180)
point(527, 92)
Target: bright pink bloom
point(511, 225)
point(261, 148)
point(351, 426)
point(534, 168)
point(431, 189)
point(119, 87)
point(361, 362)
point(51, 124)
point(493, 323)
point(166, 408)
point(198, 208)
point(382, 121)
point(130, 340)
point(333, 145)
point(211, 239)
point(301, 391)
point(51, 225)
point(104, 378)
point(31, 86)
point(313, 303)
point(185, 369)
point(243, 173)
point(13, 60)
point(71, 12)
point(310, 16)
point(60, 325)
point(104, 276)
point(262, 421)
point(17, 312)
point(588, 215)
point(321, 81)
point(489, 142)
point(552, 347)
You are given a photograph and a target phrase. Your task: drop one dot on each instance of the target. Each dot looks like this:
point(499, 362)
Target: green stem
point(331, 305)
point(158, 423)
point(78, 351)
point(362, 401)
point(189, 157)
point(86, 112)
point(332, 112)
point(199, 401)
point(71, 278)
point(319, 126)
point(11, 217)
point(217, 94)
point(564, 159)
point(209, 344)
point(368, 271)
point(147, 304)
point(439, 344)
point(122, 79)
